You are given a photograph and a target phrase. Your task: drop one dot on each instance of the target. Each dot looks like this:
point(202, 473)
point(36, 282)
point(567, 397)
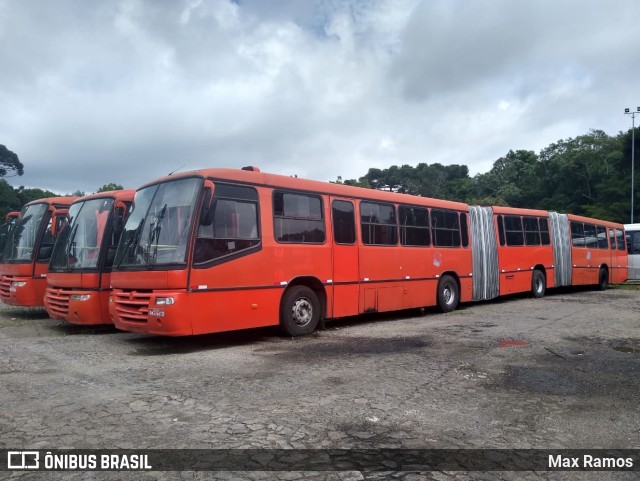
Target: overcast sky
point(126, 91)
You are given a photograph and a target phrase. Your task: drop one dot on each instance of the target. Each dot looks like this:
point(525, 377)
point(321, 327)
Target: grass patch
point(626, 287)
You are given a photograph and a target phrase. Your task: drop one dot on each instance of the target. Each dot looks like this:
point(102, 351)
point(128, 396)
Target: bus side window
point(612, 239)
point(513, 230)
point(464, 229)
point(577, 234)
point(501, 230)
point(602, 237)
point(414, 226)
point(620, 239)
point(234, 225)
point(445, 226)
point(344, 222)
point(544, 231)
point(378, 224)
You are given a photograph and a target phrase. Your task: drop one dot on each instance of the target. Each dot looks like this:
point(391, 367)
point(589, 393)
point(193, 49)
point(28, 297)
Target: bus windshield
point(79, 245)
point(157, 231)
point(22, 239)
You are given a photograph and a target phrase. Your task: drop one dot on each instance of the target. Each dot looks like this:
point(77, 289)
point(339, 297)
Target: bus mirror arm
point(206, 213)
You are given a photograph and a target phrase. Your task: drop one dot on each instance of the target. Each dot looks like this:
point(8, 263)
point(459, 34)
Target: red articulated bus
point(28, 250)
point(79, 279)
point(221, 249)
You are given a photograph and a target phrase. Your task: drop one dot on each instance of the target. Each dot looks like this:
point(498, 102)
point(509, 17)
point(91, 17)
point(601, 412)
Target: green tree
point(10, 164)
point(112, 186)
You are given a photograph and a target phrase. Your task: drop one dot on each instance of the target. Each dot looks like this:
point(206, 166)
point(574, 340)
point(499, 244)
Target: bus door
point(346, 278)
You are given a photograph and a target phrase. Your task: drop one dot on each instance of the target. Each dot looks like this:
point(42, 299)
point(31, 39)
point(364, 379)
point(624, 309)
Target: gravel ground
point(559, 372)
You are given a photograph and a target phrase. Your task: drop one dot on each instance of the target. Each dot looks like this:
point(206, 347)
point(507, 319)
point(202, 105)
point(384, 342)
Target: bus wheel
point(448, 294)
point(603, 280)
point(300, 312)
point(538, 284)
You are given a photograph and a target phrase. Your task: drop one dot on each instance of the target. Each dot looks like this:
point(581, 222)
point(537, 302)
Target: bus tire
point(538, 284)
point(300, 311)
point(603, 280)
point(448, 294)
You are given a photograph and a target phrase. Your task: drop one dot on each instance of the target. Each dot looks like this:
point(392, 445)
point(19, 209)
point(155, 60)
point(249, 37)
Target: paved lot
point(414, 379)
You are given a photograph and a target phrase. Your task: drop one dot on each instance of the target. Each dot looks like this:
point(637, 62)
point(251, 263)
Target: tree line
point(12, 198)
point(587, 175)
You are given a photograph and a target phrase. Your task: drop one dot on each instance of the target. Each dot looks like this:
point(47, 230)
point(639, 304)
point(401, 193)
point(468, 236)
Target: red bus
point(28, 250)
point(79, 279)
point(221, 249)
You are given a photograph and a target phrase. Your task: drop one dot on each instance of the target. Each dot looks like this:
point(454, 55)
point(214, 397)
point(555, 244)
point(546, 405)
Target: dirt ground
point(559, 372)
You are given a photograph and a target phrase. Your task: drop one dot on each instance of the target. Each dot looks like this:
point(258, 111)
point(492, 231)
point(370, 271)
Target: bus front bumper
point(164, 313)
point(77, 306)
point(22, 291)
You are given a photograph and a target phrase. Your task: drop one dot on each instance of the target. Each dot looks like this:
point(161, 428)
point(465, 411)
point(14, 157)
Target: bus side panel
point(380, 269)
point(516, 267)
point(219, 311)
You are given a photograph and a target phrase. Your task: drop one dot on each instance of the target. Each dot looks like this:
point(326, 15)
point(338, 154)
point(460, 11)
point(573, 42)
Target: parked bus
point(11, 219)
point(221, 249)
point(633, 249)
point(79, 279)
point(28, 250)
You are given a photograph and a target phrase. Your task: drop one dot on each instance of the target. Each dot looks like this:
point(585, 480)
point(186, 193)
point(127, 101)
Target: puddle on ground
point(628, 350)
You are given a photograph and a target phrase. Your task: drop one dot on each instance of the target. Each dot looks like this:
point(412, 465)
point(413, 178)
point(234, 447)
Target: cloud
point(127, 91)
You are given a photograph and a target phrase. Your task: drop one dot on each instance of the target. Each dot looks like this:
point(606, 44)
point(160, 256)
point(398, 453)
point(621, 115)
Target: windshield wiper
point(154, 235)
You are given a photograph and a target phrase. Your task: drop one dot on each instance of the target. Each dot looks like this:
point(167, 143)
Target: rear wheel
point(448, 294)
point(603, 279)
point(538, 284)
point(300, 311)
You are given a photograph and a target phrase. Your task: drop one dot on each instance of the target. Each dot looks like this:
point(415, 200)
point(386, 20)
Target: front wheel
point(448, 294)
point(300, 311)
point(538, 284)
point(603, 280)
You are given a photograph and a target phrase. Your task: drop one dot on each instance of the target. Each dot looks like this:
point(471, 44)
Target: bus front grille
point(57, 301)
point(132, 306)
point(5, 287)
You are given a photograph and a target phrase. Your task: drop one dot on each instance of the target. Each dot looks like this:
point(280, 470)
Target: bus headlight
point(18, 283)
point(79, 297)
point(165, 301)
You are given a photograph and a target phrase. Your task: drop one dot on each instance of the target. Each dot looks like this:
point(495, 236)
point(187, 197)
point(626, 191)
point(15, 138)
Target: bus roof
point(258, 178)
point(63, 201)
point(498, 209)
point(632, 227)
point(124, 194)
point(590, 220)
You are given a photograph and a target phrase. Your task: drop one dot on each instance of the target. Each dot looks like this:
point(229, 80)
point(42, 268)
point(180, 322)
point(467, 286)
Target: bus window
point(633, 242)
point(501, 230)
point(620, 239)
point(414, 226)
point(233, 227)
point(344, 222)
point(513, 230)
point(531, 231)
point(612, 239)
point(446, 228)
point(297, 218)
point(544, 231)
point(464, 229)
point(601, 232)
point(577, 234)
point(378, 224)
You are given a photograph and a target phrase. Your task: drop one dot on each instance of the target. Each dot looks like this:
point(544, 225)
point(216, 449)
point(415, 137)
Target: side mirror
point(59, 219)
point(119, 213)
point(206, 211)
